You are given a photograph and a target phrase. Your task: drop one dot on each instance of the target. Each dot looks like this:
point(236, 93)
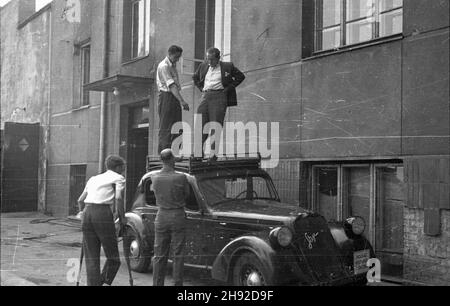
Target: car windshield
point(222, 189)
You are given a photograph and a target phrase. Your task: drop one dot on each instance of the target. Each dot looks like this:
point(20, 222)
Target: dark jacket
point(231, 78)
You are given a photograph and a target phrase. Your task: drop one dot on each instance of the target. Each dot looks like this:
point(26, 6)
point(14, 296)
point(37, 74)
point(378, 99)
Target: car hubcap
point(134, 248)
point(253, 278)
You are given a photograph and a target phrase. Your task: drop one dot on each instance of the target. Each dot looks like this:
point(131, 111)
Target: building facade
point(360, 90)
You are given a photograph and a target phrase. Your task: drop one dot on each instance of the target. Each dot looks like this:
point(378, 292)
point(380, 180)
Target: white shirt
point(167, 75)
point(213, 79)
point(100, 190)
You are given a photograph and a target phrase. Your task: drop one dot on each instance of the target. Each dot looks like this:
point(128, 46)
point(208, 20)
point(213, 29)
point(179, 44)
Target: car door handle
point(223, 224)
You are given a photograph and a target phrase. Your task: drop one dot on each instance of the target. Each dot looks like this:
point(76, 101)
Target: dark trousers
point(169, 110)
point(213, 107)
point(170, 227)
point(98, 230)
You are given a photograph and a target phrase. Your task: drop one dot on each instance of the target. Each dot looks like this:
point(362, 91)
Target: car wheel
point(139, 257)
point(248, 271)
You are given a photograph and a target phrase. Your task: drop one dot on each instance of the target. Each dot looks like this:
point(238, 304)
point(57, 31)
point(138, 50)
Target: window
point(230, 189)
point(222, 28)
point(372, 191)
point(140, 117)
point(390, 199)
point(77, 184)
point(325, 195)
point(140, 12)
point(85, 72)
point(212, 29)
point(346, 22)
point(136, 38)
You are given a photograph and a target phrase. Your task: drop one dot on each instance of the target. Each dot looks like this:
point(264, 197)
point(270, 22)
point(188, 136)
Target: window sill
point(137, 59)
point(352, 47)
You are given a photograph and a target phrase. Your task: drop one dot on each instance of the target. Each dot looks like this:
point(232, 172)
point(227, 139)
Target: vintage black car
point(240, 231)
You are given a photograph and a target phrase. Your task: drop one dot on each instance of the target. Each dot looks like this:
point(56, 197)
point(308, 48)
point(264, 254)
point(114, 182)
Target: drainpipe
point(104, 95)
point(49, 99)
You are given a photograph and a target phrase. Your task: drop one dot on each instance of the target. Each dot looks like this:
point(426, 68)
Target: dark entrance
point(20, 163)
point(77, 183)
point(137, 149)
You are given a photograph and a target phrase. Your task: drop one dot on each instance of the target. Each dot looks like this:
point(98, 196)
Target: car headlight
point(282, 236)
point(357, 225)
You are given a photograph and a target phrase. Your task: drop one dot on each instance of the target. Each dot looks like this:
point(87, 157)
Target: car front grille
point(315, 242)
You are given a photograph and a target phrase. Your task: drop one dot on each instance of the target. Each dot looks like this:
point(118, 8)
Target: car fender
point(349, 243)
point(135, 221)
point(223, 263)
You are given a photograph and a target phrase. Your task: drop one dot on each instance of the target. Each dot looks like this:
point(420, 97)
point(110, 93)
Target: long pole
point(81, 263)
point(126, 249)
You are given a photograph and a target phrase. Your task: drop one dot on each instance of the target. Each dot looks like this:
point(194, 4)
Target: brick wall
point(426, 258)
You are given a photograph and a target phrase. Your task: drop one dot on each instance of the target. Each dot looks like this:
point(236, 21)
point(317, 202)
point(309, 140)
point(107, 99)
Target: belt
point(94, 204)
point(212, 90)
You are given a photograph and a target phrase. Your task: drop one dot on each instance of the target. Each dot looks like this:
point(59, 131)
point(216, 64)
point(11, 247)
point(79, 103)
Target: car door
point(218, 232)
point(194, 230)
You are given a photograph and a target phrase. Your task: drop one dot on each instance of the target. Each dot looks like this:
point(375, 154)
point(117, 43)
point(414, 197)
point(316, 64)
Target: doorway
point(137, 149)
point(20, 164)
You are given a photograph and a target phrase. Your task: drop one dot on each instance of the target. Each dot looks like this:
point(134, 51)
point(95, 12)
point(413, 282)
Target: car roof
point(199, 166)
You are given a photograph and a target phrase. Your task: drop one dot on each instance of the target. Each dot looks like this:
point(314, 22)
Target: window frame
point(212, 22)
point(85, 78)
point(344, 22)
point(314, 201)
point(342, 203)
point(376, 197)
point(134, 54)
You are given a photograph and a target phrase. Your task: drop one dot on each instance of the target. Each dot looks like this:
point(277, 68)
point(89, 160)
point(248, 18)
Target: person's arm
point(81, 199)
point(119, 191)
point(174, 89)
point(196, 78)
point(237, 76)
point(166, 77)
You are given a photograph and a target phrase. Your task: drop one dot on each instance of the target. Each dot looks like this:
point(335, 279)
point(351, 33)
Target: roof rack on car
point(198, 164)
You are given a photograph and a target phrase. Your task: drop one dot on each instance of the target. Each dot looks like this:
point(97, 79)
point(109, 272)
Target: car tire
point(140, 259)
point(249, 271)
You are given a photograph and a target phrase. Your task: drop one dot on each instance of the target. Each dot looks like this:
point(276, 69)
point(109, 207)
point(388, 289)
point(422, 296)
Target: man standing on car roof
point(171, 190)
point(170, 100)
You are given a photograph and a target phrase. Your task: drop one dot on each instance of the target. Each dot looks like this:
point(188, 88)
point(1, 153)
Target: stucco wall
point(24, 83)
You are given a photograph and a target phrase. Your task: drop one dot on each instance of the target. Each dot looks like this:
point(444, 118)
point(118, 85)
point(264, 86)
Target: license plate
point(360, 259)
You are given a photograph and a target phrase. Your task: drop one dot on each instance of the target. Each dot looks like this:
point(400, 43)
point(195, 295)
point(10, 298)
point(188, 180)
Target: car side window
point(150, 198)
point(191, 202)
